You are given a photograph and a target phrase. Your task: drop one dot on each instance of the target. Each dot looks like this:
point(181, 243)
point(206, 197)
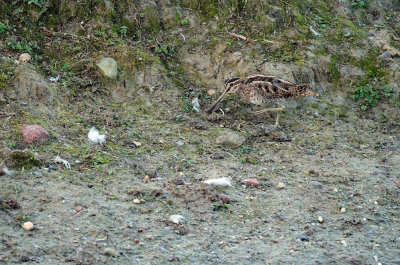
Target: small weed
point(187, 105)
point(164, 49)
point(3, 27)
point(357, 4)
point(370, 96)
point(23, 46)
point(220, 207)
point(123, 31)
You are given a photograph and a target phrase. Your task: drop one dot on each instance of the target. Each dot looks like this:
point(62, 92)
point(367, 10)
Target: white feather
point(219, 182)
point(95, 137)
point(196, 104)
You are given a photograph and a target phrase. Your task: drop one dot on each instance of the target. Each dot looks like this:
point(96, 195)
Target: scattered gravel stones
point(230, 139)
point(34, 133)
point(109, 67)
point(136, 201)
point(79, 208)
point(251, 182)
point(320, 219)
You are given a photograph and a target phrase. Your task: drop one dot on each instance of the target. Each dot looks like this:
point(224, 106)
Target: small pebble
point(320, 219)
point(281, 185)
point(28, 226)
point(310, 152)
point(316, 184)
point(137, 144)
point(38, 174)
point(136, 241)
point(176, 218)
point(149, 237)
point(164, 249)
point(251, 182)
point(110, 252)
point(79, 208)
point(302, 239)
point(173, 258)
point(343, 243)
point(224, 198)
point(24, 259)
point(30, 183)
point(249, 198)
point(343, 210)
point(25, 57)
point(136, 201)
point(382, 201)
point(211, 92)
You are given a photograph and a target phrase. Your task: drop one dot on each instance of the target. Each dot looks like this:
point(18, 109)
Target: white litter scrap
point(95, 137)
point(54, 79)
point(65, 163)
point(317, 34)
point(176, 219)
point(196, 104)
point(219, 182)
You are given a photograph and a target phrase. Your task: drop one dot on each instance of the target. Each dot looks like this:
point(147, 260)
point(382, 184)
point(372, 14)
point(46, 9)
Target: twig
point(5, 122)
point(238, 36)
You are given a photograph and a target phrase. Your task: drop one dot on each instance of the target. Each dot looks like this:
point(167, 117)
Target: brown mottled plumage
point(262, 89)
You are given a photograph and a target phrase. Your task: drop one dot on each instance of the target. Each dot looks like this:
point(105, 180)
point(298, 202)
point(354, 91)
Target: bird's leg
point(279, 109)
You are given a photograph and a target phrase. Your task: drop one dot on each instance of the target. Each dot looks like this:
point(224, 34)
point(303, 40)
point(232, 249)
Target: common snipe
point(263, 90)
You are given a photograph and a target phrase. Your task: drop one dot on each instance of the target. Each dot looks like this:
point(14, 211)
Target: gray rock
point(316, 184)
point(109, 67)
point(310, 152)
point(385, 55)
point(230, 139)
point(382, 201)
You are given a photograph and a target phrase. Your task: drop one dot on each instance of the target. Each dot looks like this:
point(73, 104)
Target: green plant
point(357, 4)
point(165, 49)
point(370, 96)
point(123, 30)
point(187, 105)
point(3, 27)
point(28, 47)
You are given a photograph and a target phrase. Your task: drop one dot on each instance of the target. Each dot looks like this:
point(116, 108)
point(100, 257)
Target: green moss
point(23, 159)
point(334, 76)
point(151, 21)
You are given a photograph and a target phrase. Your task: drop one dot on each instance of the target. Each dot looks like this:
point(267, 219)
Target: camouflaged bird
point(263, 90)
